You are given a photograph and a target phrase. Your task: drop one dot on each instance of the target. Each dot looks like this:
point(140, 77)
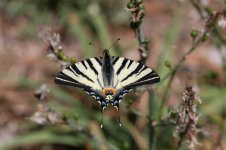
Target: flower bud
point(167, 64)
point(130, 5)
point(194, 33)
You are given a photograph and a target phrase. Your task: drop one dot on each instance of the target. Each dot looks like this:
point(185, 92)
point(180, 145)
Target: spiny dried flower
point(42, 92)
point(50, 37)
point(43, 115)
point(221, 21)
point(213, 19)
point(39, 118)
point(55, 50)
point(55, 41)
point(185, 118)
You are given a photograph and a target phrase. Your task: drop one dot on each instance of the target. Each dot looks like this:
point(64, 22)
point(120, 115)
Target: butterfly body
point(107, 78)
point(107, 69)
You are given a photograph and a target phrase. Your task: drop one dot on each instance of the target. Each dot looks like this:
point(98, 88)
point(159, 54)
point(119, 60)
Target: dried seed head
point(43, 115)
point(222, 22)
point(185, 117)
point(51, 38)
point(55, 50)
point(42, 92)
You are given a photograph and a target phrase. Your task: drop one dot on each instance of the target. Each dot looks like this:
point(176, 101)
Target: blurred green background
point(71, 118)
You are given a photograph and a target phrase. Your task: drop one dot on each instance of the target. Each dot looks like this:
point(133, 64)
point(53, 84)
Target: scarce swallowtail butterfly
point(107, 78)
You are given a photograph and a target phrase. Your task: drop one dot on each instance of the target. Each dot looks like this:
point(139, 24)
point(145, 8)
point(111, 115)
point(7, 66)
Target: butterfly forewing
point(131, 74)
point(83, 74)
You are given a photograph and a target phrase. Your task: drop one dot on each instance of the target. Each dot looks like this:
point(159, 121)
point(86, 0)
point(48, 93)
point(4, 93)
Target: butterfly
point(107, 78)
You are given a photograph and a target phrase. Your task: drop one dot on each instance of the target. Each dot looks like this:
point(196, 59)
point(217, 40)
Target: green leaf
point(43, 137)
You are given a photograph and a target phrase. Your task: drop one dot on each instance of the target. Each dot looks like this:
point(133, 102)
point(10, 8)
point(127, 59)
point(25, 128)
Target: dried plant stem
point(143, 54)
point(203, 12)
point(174, 71)
point(210, 25)
point(201, 9)
point(140, 36)
point(137, 11)
point(182, 135)
point(185, 118)
point(143, 46)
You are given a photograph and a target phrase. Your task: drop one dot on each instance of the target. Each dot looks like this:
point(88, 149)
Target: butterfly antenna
point(113, 43)
point(95, 46)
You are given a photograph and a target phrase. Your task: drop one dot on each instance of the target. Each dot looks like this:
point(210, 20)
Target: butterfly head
point(106, 53)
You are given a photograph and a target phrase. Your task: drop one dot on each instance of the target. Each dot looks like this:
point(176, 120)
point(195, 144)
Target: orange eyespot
point(108, 91)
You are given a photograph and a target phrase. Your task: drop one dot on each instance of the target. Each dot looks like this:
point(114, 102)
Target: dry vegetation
point(184, 41)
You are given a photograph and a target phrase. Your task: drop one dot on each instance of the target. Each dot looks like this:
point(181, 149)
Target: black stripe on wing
point(63, 79)
point(115, 59)
point(136, 70)
point(150, 78)
point(84, 64)
point(122, 66)
point(130, 63)
point(76, 70)
point(98, 59)
point(91, 66)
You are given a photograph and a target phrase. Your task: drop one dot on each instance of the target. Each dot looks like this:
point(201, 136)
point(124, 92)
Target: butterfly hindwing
point(118, 97)
point(96, 94)
point(130, 74)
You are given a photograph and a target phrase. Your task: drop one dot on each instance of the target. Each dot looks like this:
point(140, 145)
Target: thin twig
point(137, 11)
point(210, 24)
point(143, 45)
point(201, 9)
point(173, 73)
point(203, 12)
